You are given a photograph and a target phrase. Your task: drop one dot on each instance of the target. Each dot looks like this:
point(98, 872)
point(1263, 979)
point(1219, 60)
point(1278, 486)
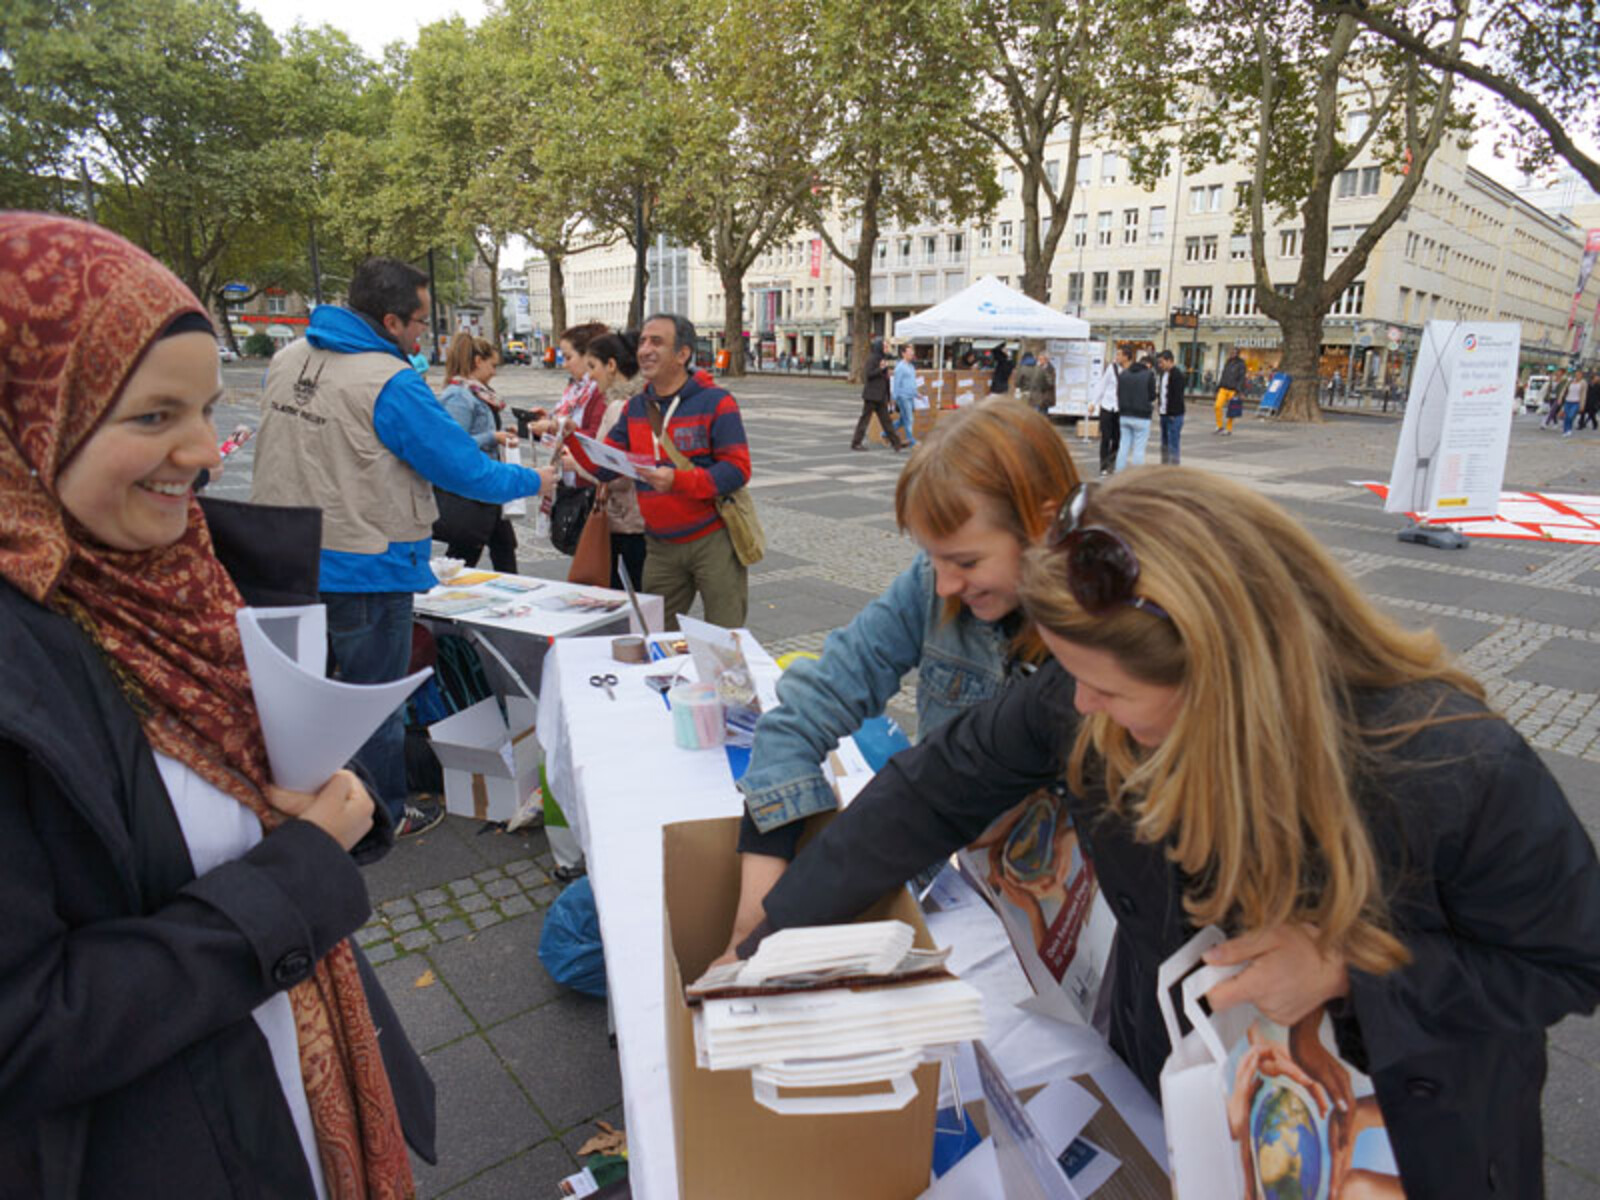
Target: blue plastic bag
point(570, 946)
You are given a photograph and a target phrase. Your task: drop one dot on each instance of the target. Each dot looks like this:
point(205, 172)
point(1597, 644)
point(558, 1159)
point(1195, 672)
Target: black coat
point(130, 1065)
point(1177, 381)
point(1136, 391)
point(1233, 375)
point(875, 379)
point(1494, 889)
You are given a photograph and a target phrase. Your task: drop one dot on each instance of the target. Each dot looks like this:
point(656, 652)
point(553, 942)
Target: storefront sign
point(1185, 318)
point(1451, 457)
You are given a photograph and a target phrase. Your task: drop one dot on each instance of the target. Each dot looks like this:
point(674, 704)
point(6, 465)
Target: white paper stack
point(867, 948)
point(829, 1029)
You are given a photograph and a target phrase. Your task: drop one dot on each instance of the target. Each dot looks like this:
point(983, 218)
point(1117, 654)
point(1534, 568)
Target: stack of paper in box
point(786, 1010)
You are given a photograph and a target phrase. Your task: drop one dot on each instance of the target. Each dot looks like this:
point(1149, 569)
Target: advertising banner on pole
point(1451, 457)
point(1591, 254)
point(816, 258)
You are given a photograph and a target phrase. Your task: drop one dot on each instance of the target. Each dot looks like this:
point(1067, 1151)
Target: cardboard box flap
point(472, 739)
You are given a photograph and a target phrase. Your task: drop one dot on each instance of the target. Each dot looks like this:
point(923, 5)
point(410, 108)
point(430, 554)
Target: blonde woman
point(1250, 743)
point(470, 364)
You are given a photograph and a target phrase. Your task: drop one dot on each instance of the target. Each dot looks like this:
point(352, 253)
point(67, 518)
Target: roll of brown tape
point(629, 650)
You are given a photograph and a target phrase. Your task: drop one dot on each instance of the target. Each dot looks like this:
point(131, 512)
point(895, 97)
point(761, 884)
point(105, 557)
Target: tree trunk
point(1302, 353)
point(226, 326)
point(558, 296)
point(496, 331)
point(733, 319)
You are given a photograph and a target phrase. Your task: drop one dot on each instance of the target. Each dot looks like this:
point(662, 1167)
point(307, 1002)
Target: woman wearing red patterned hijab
point(182, 1011)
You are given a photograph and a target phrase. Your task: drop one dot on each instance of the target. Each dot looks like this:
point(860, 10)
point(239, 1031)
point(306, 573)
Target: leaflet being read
point(312, 725)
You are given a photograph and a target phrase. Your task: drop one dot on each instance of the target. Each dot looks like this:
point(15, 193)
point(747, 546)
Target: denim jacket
point(959, 662)
point(470, 413)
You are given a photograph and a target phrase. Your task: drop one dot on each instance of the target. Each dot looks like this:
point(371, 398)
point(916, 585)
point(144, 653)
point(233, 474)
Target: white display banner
point(1451, 458)
point(1078, 368)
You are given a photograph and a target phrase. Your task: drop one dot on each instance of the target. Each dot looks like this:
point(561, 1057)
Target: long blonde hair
point(1269, 640)
point(1001, 457)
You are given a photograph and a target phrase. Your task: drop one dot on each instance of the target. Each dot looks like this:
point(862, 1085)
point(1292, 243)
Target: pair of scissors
point(604, 681)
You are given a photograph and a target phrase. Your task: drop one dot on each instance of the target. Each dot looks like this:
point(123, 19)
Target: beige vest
point(317, 446)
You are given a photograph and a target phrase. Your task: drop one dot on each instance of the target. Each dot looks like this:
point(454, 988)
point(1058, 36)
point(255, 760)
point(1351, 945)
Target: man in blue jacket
point(349, 427)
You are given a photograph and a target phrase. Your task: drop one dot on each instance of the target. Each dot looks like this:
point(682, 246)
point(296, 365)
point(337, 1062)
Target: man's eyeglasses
point(1101, 567)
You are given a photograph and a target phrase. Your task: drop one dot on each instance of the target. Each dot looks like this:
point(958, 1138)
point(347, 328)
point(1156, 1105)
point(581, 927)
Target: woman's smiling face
point(980, 564)
point(129, 485)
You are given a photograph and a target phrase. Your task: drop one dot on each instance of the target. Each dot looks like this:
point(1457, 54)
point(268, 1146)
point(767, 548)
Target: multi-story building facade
point(1466, 248)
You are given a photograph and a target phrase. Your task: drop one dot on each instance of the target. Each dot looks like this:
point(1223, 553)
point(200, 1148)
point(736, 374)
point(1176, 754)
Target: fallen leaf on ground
point(607, 1141)
point(426, 979)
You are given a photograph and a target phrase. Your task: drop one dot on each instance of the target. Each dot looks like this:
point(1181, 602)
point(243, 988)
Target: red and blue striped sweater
point(707, 429)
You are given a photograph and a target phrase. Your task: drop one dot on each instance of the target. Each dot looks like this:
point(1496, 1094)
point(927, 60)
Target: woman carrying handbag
point(466, 526)
point(614, 532)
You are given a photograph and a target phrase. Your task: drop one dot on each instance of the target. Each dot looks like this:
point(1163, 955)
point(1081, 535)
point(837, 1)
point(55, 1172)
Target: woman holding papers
point(467, 396)
point(182, 1012)
point(1251, 744)
point(613, 365)
point(976, 493)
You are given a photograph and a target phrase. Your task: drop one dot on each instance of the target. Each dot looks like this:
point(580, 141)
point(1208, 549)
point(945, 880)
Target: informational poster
point(1451, 458)
point(1078, 368)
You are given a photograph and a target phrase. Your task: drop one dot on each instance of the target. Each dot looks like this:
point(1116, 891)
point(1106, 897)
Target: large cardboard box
point(489, 766)
point(730, 1147)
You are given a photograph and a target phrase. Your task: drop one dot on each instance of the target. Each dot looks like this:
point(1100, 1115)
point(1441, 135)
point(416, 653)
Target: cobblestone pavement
point(524, 1068)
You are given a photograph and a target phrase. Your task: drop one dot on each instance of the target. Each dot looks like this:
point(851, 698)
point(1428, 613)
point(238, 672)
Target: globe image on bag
point(1288, 1144)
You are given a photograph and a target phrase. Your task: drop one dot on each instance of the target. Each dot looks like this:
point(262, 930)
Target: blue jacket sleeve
point(824, 700)
point(464, 407)
point(414, 427)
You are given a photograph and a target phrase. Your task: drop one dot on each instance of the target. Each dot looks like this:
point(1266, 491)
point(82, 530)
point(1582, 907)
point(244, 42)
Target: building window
point(1239, 247)
point(1130, 226)
point(1109, 166)
point(955, 246)
point(1369, 181)
point(1288, 243)
point(985, 239)
point(1008, 180)
point(1349, 182)
point(1080, 230)
point(1085, 170)
point(1214, 198)
point(1349, 304)
point(1124, 287)
point(1340, 239)
point(1241, 301)
point(1197, 199)
point(1075, 289)
point(1191, 249)
point(1286, 290)
point(1405, 304)
point(1205, 199)
point(1208, 249)
point(277, 305)
point(1356, 125)
point(1052, 172)
point(1102, 280)
point(1199, 299)
point(1158, 224)
point(1152, 286)
point(930, 249)
point(827, 298)
point(1005, 237)
point(883, 252)
point(1102, 229)
point(905, 252)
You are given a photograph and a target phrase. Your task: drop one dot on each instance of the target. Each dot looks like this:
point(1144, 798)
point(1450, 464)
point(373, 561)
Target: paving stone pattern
point(524, 1068)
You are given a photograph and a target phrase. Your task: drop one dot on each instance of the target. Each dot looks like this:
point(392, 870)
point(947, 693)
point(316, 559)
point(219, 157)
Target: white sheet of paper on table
point(312, 725)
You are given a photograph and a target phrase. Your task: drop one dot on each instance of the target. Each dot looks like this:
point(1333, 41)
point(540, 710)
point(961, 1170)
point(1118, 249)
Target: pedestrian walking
point(875, 399)
point(182, 1012)
point(1577, 388)
point(1231, 385)
point(1591, 402)
point(1555, 393)
point(1000, 380)
point(903, 393)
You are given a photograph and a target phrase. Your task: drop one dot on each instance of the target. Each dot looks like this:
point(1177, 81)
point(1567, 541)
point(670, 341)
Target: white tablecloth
point(619, 778)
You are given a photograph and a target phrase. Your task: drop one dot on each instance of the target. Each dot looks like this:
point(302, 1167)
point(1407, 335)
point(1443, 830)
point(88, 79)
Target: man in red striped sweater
point(689, 551)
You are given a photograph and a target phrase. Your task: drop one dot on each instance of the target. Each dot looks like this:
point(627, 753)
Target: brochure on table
point(1451, 457)
point(543, 607)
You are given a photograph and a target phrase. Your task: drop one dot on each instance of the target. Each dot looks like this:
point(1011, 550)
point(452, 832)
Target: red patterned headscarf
point(79, 308)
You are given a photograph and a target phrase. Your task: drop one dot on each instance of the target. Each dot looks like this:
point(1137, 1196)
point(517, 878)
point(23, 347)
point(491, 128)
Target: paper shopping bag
point(1255, 1111)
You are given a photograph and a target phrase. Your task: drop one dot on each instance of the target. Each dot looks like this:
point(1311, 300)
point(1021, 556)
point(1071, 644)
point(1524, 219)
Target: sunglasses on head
point(1101, 567)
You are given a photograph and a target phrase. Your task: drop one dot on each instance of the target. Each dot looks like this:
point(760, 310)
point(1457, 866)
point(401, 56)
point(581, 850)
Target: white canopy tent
point(990, 309)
